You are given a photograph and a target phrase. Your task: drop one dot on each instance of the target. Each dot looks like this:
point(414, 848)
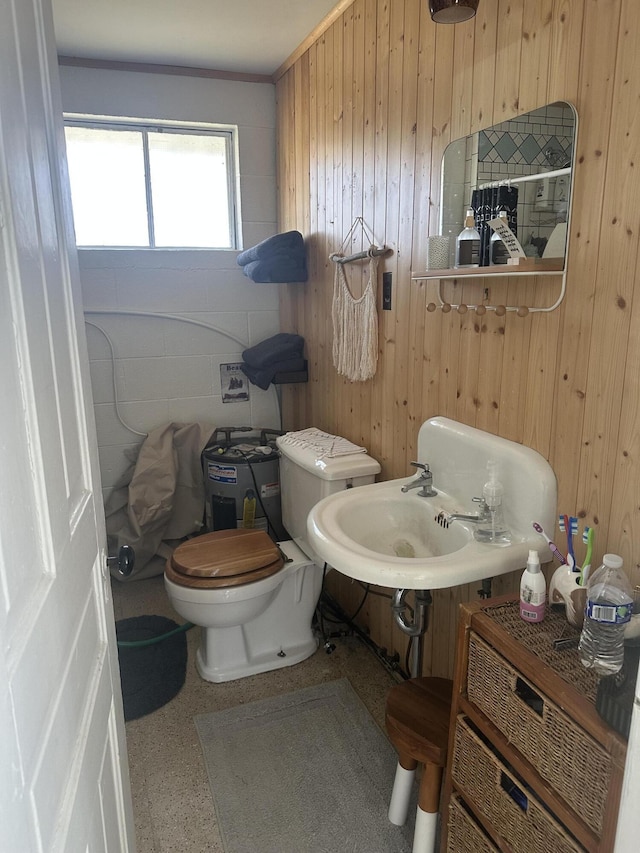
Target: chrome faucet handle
point(484, 507)
point(421, 465)
point(424, 482)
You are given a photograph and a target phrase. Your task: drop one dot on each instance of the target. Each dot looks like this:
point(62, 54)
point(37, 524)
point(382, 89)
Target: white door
point(63, 776)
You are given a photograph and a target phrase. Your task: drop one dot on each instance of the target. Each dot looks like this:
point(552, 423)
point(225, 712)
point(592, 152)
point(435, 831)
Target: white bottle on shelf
point(533, 590)
point(468, 243)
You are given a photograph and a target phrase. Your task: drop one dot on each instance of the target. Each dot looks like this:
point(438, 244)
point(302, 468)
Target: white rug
point(306, 772)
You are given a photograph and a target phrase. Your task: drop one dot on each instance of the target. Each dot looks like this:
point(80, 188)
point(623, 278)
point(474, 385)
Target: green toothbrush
point(587, 537)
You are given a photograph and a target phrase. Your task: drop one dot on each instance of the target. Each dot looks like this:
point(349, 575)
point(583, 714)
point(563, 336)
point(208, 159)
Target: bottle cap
point(613, 561)
point(533, 557)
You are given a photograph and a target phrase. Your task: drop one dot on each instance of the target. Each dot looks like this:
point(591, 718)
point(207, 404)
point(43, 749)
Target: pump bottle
point(498, 251)
point(492, 526)
point(533, 590)
point(468, 243)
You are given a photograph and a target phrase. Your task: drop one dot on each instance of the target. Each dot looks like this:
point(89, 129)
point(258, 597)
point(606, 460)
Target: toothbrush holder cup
point(565, 589)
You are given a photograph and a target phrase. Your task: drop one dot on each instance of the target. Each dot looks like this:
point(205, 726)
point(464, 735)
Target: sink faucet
point(424, 482)
point(491, 526)
point(444, 519)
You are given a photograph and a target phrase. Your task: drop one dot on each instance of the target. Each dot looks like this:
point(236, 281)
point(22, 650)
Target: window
point(135, 185)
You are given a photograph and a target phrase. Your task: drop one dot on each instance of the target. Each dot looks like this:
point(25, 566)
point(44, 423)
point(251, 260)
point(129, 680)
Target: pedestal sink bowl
point(382, 535)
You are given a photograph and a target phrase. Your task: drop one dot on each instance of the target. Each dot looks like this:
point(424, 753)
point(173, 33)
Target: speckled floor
point(172, 803)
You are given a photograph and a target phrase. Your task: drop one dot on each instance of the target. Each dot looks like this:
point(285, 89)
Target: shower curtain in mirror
point(486, 204)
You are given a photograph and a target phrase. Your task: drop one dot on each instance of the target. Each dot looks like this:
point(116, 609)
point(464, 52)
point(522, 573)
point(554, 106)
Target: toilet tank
point(306, 477)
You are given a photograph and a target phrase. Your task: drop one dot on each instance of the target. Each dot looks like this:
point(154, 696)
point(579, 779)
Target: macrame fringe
point(355, 327)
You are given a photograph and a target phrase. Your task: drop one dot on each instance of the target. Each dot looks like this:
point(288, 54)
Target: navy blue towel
point(277, 348)
point(263, 377)
point(290, 243)
point(280, 270)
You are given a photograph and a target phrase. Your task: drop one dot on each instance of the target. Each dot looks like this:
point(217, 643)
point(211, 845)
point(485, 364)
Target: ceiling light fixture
point(452, 11)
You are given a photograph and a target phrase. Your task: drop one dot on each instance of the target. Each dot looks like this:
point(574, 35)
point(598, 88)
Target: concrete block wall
point(164, 369)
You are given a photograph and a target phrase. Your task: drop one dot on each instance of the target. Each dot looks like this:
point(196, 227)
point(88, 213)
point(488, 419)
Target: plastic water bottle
point(608, 609)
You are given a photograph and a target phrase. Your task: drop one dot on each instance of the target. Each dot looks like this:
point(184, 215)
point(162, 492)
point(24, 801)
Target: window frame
point(146, 126)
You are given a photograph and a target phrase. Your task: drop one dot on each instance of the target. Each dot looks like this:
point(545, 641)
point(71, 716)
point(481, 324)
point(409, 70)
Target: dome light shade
point(452, 11)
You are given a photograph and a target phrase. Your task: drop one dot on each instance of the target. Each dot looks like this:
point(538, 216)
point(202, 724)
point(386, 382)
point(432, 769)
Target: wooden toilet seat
point(224, 558)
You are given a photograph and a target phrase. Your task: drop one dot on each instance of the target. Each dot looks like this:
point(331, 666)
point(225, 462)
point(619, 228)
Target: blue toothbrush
point(563, 524)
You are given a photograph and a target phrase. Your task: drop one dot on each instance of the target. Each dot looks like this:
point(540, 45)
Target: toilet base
point(240, 660)
point(257, 627)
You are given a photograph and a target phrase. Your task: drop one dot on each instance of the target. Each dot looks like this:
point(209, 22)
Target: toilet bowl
point(254, 600)
point(256, 626)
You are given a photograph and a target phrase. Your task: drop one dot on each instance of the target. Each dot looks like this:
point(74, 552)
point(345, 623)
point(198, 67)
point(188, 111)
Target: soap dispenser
point(468, 243)
point(492, 527)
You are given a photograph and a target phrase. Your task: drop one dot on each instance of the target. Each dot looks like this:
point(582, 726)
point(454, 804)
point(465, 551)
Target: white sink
point(378, 534)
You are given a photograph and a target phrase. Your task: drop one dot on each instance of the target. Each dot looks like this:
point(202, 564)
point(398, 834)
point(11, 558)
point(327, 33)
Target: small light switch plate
point(386, 291)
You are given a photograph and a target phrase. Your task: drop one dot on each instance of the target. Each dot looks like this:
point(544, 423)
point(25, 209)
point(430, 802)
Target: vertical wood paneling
point(480, 73)
point(363, 120)
point(508, 48)
point(599, 37)
point(617, 276)
point(394, 361)
point(625, 515)
point(534, 55)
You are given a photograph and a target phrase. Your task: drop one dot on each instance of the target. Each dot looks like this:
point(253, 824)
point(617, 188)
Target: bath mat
point(150, 675)
point(305, 772)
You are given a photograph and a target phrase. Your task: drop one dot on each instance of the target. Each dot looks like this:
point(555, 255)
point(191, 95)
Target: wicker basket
point(464, 835)
point(562, 753)
point(500, 796)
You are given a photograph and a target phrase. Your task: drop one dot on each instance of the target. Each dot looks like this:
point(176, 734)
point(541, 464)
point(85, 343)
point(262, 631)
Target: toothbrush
point(563, 524)
point(569, 525)
point(552, 545)
point(573, 531)
point(587, 537)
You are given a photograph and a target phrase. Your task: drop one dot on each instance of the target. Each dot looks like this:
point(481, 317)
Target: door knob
point(125, 560)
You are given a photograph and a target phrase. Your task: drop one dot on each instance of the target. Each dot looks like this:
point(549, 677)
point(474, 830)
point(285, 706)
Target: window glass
point(134, 186)
point(189, 185)
point(106, 170)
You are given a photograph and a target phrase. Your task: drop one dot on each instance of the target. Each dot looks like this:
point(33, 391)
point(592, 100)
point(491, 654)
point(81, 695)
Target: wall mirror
point(523, 166)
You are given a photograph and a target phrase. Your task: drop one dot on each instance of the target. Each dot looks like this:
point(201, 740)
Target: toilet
point(254, 599)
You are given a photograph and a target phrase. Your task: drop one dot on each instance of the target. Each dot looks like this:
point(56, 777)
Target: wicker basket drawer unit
point(465, 836)
point(552, 742)
point(502, 799)
point(532, 767)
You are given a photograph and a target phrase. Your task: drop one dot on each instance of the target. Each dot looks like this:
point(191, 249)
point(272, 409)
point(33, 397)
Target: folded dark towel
point(277, 348)
point(280, 271)
point(263, 377)
point(290, 242)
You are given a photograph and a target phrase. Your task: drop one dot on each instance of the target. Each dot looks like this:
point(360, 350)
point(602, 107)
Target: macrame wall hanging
point(355, 321)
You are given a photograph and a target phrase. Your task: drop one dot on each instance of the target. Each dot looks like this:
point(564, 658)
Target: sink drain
point(402, 548)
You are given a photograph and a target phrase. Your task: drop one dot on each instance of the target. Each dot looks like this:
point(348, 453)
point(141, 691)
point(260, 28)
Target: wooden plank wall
point(364, 116)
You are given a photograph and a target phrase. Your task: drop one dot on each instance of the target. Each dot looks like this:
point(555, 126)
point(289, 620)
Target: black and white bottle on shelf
point(499, 253)
point(468, 243)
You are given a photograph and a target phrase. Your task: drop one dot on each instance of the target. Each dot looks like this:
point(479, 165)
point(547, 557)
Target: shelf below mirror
point(527, 266)
point(532, 267)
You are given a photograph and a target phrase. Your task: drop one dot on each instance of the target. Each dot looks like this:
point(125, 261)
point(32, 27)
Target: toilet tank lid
point(356, 464)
